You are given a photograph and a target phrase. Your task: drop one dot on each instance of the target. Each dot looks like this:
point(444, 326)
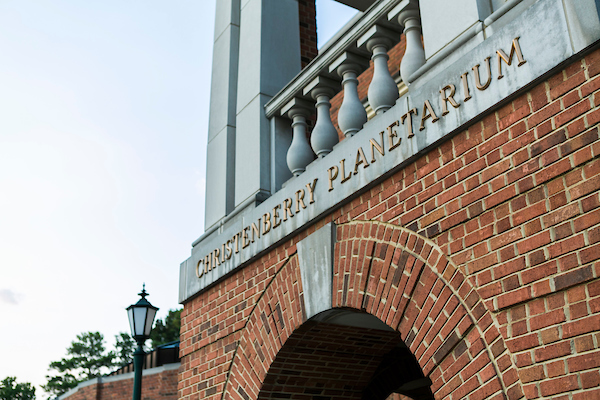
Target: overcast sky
point(103, 119)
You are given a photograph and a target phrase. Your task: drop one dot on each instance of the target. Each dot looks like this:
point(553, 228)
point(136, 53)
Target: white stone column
point(281, 139)
point(299, 154)
point(444, 21)
point(220, 154)
point(352, 114)
point(324, 135)
point(269, 59)
point(383, 91)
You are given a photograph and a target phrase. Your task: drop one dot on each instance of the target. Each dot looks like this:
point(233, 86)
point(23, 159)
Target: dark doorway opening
point(344, 354)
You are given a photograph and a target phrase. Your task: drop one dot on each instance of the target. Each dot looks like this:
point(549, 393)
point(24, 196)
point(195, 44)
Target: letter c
point(199, 271)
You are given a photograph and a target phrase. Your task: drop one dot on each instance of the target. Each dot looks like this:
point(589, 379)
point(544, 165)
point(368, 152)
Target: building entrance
point(344, 354)
point(396, 318)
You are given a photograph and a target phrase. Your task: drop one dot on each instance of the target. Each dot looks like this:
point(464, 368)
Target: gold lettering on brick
point(427, 113)
point(287, 204)
point(207, 261)
point(343, 170)
point(271, 220)
point(245, 237)
point(478, 83)
point(276, 220)
point(333, 173)
point(360, 159)
point(465, 85)
point(377, 146)
point(266, 225)
point(236, 241)
point(216, 262)
point(300, 200)
point(255, 232)
point(448, 98)
point(311, 191)
point(229, 252)
point(514, 49)
point(409, 125)
point(199, 269)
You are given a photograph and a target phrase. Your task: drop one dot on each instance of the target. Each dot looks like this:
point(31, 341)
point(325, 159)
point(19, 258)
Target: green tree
point(11, 390)
point(87, 358)
point(124, 347)
point(168, 330)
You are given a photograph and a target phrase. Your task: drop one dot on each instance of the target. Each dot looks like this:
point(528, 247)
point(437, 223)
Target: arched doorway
point(424, 307)
point(345, 354)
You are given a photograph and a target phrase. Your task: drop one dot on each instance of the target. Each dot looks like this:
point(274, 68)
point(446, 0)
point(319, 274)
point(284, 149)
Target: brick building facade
point(465, 269)
point(159, 383)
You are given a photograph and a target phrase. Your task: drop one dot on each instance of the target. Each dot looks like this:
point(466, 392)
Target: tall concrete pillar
point(220, 157)
point(443, 20)
point(269, 57)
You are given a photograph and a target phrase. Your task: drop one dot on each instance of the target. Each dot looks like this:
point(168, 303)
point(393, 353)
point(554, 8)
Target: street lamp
point(141, 316)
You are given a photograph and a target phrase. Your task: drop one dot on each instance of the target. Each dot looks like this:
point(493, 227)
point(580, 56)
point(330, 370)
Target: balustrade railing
point(372, 34)
point(352, 114)
point(324, 135)
point(383, 91)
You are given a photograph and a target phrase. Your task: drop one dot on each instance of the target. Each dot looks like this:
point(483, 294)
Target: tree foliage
point(168, 330)
point(11, 390)
point(124, 346)
point(87, 358)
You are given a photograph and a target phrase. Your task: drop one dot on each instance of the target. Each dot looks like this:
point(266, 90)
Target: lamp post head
point(141, 317)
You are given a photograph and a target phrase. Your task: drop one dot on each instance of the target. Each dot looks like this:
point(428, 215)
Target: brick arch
point(407, 282)
point(277, 314)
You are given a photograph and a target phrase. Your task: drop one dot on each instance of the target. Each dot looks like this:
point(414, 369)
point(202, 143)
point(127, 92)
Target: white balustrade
point(299, 154)
point(352, 114)
point(372, 35)
point(383, 91)
point(324, 135)
point(414, 55)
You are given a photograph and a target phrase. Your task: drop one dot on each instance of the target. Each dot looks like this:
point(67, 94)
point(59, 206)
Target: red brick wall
point(158, 386)
point(484, 254)
point(85, 393)
point(308, 31)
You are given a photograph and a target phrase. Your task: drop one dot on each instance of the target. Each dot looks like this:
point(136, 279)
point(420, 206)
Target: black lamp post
point(141, 316)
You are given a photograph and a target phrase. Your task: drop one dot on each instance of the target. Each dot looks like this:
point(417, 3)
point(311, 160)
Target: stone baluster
point(324, 135)
point(352, 114)
point(383, 91)
point(414, 57)
point(299, 154)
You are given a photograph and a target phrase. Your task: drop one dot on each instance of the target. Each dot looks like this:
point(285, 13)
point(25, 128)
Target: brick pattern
point(405, 281)
point(160, 386)
point(512, 202)
point(336, 362)
point(278, 313)
point(308, 31)
point(86, 393)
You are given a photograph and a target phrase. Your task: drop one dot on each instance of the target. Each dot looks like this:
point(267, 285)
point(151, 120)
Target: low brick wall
point(157, 383)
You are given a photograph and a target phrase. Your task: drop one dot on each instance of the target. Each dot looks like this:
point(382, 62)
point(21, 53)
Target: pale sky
point(103, 119)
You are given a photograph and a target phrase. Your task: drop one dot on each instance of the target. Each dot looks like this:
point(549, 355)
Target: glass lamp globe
point(141, 317)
